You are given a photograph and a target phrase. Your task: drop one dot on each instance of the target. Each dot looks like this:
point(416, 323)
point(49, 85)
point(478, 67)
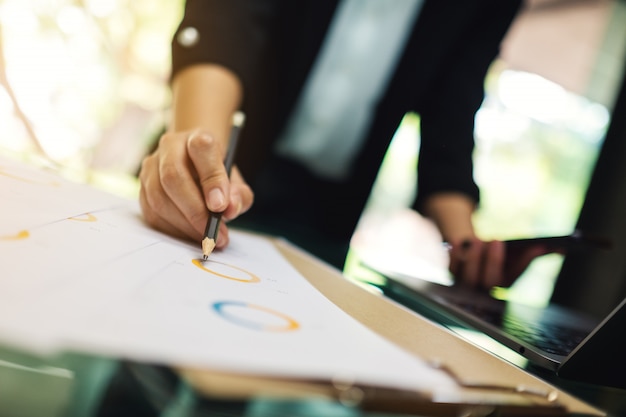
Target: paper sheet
point(81, 272)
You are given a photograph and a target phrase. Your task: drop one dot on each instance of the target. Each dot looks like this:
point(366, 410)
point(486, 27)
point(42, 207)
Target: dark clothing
point(271, 46)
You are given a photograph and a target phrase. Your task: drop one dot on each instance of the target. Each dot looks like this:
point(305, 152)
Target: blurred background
point(548, 101)
point(85, 82)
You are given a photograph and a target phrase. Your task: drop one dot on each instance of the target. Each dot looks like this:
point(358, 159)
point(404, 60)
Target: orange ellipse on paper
point(22, 234)
point(253, 278)
point(87, 217)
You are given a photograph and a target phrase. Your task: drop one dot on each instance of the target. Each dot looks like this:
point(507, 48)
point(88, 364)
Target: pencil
point(213, 224)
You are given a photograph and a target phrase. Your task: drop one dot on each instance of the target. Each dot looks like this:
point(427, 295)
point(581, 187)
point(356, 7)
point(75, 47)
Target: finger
point(470, 274)
point(158, 206)
point(457, 256)
point(493, 264)
point(241, 196)
point(154, 220)
point(176, 177)
point(222, 237)
point(207, 156)
point(518, 265)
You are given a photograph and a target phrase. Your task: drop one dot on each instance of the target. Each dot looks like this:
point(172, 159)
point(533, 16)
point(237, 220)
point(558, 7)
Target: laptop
point(573, 344)
point(570, 343)
point(576, 342)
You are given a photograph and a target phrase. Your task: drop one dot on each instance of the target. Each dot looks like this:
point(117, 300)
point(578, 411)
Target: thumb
point(207, 155)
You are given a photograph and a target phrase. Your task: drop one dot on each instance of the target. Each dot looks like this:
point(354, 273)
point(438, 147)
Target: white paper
point(81, 272)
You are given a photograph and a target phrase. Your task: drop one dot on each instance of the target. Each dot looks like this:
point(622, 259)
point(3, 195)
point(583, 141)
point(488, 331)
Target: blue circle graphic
point(222, 308)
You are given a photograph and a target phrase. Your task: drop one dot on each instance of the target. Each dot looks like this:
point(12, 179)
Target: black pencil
point(213, 224)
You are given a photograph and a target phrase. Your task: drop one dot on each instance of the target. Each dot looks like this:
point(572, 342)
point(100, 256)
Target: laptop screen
point(594, 281)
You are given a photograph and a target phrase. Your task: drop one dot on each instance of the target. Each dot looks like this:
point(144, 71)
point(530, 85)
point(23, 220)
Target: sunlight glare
point(72, 20)
point(15, 18)
point(534, 96)
point(101, 8)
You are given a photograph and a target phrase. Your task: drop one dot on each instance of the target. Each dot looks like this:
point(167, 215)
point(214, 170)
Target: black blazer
point(272, 44)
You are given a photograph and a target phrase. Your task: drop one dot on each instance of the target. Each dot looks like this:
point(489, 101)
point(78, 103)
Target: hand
point(185, 178)
point(485, 264)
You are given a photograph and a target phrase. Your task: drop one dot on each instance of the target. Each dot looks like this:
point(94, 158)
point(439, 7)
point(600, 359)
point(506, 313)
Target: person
point(324, 85)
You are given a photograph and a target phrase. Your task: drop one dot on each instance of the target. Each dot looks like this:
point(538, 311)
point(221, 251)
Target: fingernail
point(216, 199)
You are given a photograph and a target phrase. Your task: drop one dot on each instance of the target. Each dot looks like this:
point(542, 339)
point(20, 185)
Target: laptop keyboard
point(558, 340)
point(555, 339)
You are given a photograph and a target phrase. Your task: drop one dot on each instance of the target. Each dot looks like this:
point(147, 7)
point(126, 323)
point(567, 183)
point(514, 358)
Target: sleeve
point(231, 33)
point(447, 121)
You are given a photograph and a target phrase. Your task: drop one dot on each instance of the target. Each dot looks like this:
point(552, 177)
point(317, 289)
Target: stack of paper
point(82, 272)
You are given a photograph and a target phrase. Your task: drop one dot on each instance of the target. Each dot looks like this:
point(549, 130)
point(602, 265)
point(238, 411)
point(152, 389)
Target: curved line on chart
point(253, 278)
point(22, 234)
point(28, 180)
point(87, 217)
point(290, 325)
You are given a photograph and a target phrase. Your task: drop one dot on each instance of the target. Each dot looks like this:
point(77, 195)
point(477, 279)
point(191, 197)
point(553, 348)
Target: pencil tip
point(208, 245)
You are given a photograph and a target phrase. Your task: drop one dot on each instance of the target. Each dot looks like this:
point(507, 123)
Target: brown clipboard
point(471, 402)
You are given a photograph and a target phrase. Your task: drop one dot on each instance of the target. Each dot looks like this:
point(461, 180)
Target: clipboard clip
point(549, 396)
point(395, 400)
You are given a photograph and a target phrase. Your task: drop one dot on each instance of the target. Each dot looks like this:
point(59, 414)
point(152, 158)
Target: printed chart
point(104, 283)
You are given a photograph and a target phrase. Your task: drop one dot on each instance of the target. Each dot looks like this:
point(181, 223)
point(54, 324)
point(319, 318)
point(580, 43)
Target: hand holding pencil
point(185, 178)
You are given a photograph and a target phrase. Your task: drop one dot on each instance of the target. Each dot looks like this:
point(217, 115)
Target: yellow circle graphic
point(87, 217)
point(252, 280)
point(22, 234)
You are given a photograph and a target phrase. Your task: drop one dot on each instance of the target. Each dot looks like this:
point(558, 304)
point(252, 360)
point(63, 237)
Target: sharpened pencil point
point(207, 247)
